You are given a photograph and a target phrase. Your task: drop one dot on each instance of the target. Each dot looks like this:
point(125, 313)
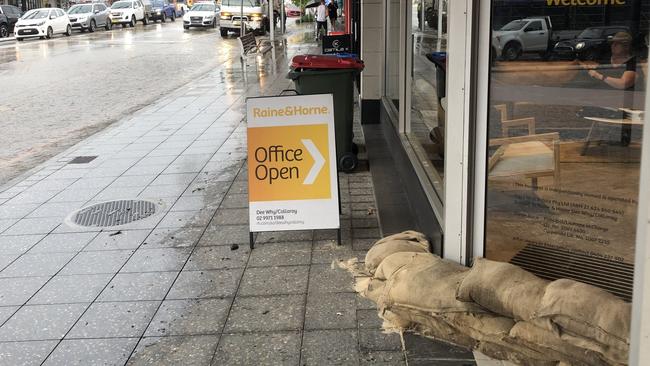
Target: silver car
point(89, 17)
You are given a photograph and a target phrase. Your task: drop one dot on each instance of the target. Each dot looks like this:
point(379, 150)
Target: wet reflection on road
point(67, 88)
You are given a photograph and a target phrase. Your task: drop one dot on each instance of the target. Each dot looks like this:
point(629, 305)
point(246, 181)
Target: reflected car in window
point(591, 44)
point(522, 36)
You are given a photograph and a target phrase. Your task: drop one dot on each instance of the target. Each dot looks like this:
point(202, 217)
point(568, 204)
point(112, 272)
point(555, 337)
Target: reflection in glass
point(428, 93)
point(565, 125)
point(392, 52)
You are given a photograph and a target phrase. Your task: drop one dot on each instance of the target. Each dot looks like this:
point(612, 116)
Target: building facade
point(521, 123)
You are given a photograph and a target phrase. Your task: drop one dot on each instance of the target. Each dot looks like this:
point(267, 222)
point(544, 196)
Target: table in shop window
point(595, 121)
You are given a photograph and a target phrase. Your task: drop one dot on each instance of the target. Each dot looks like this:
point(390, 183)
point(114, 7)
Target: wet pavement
point(180, 287)
point(56, 92)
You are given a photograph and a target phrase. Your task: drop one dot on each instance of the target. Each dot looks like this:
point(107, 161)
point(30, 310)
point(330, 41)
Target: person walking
point(332, 10)
point(321, 19)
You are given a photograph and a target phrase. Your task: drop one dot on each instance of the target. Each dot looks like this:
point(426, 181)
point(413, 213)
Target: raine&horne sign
point(292, 176)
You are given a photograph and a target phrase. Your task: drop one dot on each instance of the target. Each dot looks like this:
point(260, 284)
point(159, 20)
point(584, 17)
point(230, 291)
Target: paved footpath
point(170, 289)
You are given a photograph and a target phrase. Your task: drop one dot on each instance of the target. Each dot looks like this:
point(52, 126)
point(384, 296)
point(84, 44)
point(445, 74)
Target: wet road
point(55, 92)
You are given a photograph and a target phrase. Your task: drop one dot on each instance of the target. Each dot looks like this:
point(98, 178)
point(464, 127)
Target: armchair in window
point(529, 156)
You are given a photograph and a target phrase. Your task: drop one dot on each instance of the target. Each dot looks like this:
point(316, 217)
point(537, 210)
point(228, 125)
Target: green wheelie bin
point(325, 74)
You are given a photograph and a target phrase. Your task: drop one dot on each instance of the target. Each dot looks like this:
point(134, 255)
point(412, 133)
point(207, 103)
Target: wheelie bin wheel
point(348, 162)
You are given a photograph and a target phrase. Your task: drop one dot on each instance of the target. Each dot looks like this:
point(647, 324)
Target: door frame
point(459, 133)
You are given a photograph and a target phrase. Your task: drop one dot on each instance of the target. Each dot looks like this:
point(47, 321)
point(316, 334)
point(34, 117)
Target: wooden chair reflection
point(529, 156)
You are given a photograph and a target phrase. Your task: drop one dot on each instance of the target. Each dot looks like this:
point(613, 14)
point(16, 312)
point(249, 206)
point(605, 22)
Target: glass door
point(565, 122)
point(427, 115)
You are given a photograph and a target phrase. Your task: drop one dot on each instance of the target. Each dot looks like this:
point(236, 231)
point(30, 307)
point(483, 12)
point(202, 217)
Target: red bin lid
point(325, 62)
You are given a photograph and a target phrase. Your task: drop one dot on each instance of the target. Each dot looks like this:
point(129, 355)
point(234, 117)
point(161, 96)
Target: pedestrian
point(619, 71)
point(321, 19)
point(332, 10)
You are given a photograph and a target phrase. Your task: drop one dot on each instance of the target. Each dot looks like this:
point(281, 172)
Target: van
point(251, 12)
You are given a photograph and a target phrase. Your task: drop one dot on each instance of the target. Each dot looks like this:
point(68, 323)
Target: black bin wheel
point(348, 162)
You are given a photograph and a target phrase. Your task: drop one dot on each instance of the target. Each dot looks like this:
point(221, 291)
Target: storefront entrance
point(565, 122)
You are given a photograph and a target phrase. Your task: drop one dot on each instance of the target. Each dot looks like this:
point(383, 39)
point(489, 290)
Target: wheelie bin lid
point(438, 58)
point(329, 62)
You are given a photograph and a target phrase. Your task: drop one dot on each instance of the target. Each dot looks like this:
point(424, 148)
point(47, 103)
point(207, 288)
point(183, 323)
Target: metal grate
point(552, 264)
point(114, 213)
point(82, 159)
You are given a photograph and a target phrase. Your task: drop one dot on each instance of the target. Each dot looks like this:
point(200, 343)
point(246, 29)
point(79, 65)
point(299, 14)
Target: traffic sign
point(292, 174)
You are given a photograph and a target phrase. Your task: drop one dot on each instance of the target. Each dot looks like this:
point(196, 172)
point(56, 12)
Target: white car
point(44, 23)
point(204, 14)
point(128, 12)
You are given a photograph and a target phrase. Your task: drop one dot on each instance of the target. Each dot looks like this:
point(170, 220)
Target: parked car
point(204, 14)
point(89, 17)
point(9, 15)
point(163, 10)
point(521, 36)
point(292, 10)
point(43, 23)
point(591, 44)
point(128, 12)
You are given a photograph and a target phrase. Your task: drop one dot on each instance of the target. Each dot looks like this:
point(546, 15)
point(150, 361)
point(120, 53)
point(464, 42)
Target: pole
point(423, 9)
point(271, 22)
point(242, 28)
point(348, 12)
point(440, 12)
point(283, 17)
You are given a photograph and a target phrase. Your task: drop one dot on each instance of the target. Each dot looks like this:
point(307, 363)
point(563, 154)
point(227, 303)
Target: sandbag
point(482, 326)
point(532, 336)
point(394, 320)
point(612, 355)
point(492, 331)
point(395, 261)
point(502, 288)
point(586, 311)
point(427, 284)
point(406, 235)
point(370, 288)
point(515, 354)
point(383, 249)
point(433, 327)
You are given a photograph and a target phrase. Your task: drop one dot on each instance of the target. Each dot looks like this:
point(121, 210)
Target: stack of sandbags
point(588, 317)
point(572, 319)
point(497, 308)
point(569, 320)
point(502, 288)
point(408, 241)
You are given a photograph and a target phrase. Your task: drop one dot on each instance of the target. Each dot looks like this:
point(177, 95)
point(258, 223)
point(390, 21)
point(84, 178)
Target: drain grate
point(82, 159)
point(552, 264)
point(114, 213)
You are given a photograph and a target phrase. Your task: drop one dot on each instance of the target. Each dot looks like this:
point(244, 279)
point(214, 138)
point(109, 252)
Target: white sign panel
point(292, 176)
